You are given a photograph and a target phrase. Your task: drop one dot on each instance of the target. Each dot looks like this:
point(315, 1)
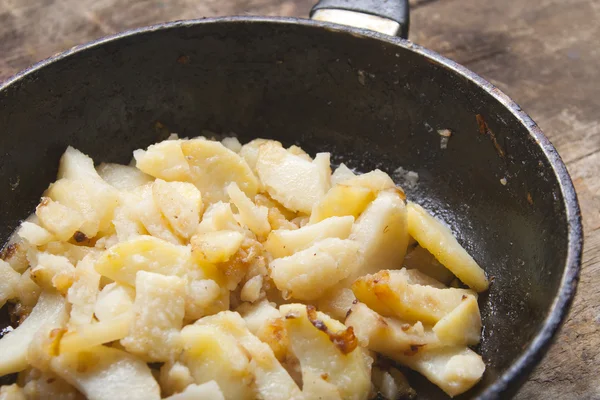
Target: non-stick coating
point(372, 103)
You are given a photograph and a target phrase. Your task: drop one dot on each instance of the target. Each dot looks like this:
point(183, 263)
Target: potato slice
point(83, 292)
point(342, 200)
point(453, 369)
point(105, 373)
point(218, 217)
point(337, 302)
point(205, 297)
point(307, 274)
point(164, 160)
point(93, 199)
point(12, 392)
point(76, 165)
point(327, 348)
point(416, 277)
point(214, 166)
point(283, 243)
point(159, 309)
point(388, 335)
point(39, 385)
point(146, 253)
point(28, 291)
point(392, 384)
point(272, 381)
point(211, 354)
point(207, 391)
point(94, 334)
point(297, 151)
point(53, 272)
point(123, 177)
point(341, 174)
point(113, 300)
point(174, 377)
point(296, 183)
point(462, 326)
point(232, 143)
point(249, 152)
point(389, 294)
point(422, 260)
point(34, 234)
point(382, 233)
point(146, 210)
point(256, 218)
point(180, 203)
point(216, 247)
point(9, 281)
point(60, 220)
point(251, 291)
point(438, 239)
point(265, 322)
point(375, 180)
point(49, 313)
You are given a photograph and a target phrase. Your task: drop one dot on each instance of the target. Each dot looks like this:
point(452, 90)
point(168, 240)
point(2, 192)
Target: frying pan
point(373, 100)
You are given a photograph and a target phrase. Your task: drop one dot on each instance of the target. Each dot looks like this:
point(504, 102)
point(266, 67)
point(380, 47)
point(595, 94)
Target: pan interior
point(372, 104)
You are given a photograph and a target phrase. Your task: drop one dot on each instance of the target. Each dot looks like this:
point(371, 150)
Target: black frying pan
point(372, 100)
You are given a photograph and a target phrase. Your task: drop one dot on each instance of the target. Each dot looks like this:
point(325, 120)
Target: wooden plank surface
point(543, 53)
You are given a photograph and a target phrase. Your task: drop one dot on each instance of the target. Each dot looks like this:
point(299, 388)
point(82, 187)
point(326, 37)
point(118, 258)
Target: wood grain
point(543, 53)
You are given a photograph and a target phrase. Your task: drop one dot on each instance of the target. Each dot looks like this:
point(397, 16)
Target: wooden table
point(543, 53)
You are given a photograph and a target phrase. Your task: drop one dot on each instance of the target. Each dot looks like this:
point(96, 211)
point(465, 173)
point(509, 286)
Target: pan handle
point(385, 16)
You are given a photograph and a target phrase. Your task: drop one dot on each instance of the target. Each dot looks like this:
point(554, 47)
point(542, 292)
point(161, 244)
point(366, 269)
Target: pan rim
point(538, 346)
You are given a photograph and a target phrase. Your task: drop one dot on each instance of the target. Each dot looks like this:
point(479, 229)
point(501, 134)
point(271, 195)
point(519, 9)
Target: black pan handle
point(386, 16)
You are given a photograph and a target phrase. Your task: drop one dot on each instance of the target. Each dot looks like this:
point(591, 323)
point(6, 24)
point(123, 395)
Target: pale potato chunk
point(453, 369)
point(214, 166)
point(375, 180)
point(60, 220)
point(180, 203)
point(391, 295)
point(297, 151)
point(341, 360)
point(159, 309)
point(82, 293)
point(49, 313)
point(205, 297)
point(27, 290)
point(144, 253)
point(315, 387)
point(72, 252)
point(462, 326)
point(256, 218)
point(76, 165)
point(388, 335)
point(53, 272)
point(94, 334)
point(422, 260)
point(341, 174)
point(416, 277)
point(123, 177)
point(438, 239)
point(38, 385)
point(211, 354)
point(336, 302)
point(34, 234)
point(15, 253)
point(264, 321)
point(251, 291)
point(392, 384)
point(147, 211)
point(216, 247)
point(93, 199)
point(382, 233)
point(342, 200)
point(207, 391)
point(217, 217)
point(174, 377)
point(164, 160)
point(232, 143)
point(323, 163)
point(249, 151)
point(9, 282)
point(283, 243)
point(296, 183)
point(307, 274)
point(104, 373)
point(272, 381)
point(12, 392)
point(113, 300)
